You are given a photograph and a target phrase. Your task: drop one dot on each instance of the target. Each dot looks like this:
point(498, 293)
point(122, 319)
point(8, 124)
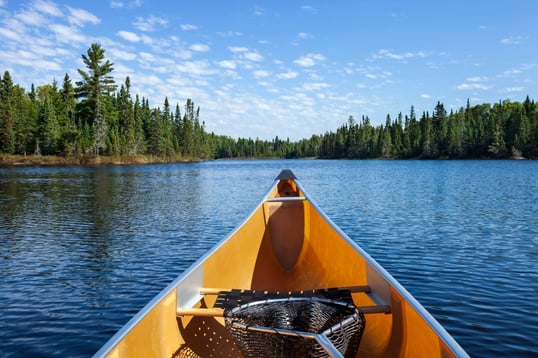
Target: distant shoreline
point(44, 160)
point(50, 160)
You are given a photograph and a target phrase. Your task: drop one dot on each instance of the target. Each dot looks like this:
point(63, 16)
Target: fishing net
point(296, 327)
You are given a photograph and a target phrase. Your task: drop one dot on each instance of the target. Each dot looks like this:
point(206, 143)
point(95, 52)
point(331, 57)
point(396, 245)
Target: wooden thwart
point(352, 289)
point(219, 311)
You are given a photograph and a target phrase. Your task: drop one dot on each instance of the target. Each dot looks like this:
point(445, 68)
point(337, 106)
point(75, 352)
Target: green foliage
point(95, 92)
point(95, 118)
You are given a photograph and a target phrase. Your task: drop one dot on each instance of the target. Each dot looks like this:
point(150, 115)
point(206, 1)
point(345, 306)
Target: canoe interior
point(286, 244)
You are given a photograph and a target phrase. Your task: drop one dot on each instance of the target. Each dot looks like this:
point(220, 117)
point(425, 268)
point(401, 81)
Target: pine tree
point(48, 127)
point(187, 138)
point(385, 139)
point(126, 119)
point(497, 146)
point(440, 131)
point(427, 136)
point(25, 118)
point(95, 89)
point(65, 111)
point(7, 120)
point(397, 137)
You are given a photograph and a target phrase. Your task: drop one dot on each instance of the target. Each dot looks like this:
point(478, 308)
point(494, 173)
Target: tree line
point(503, 130)
point(94, 117)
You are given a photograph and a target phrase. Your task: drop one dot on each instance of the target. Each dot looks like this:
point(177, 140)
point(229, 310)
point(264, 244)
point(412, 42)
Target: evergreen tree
point(126, 119)
point(415, 135)
point(95, 89)
point(177, 130)
point(428, 145)
point(497, 146)
point(385, 139)
point(66, 118)
point(7, 120)
point(397, 137)
point(455, 130)
point(25, 118)
point(140, 138)
point(187, 135)
point(49, 129)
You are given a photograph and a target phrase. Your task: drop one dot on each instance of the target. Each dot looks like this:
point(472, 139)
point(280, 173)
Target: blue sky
point(284, 68)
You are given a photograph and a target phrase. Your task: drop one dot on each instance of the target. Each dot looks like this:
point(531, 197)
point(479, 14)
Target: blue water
point(83, 249)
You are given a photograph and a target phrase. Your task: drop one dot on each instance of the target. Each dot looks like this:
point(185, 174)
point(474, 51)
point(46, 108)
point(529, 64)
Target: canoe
point(286, 253)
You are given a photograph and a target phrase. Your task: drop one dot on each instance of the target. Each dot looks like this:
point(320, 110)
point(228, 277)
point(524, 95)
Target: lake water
point(82, 249)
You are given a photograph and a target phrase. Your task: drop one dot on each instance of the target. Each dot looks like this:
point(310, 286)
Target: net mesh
point(302, 316)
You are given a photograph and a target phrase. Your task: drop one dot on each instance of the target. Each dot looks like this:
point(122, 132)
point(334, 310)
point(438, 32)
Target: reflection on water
point(83, 249)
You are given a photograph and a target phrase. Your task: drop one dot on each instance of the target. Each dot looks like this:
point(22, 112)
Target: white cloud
point(149, 24)
point(199, 47)
point(115, 4)
point(16, 26)
point(304, 35)
point(151, 80)
point(47, 7)
point(512, 72)
point(314, 86)
point(79, 17)
point(308, 8)
point(383, 53)
point(245, 53)
point(473, 84)
point(45, 65)
point(9, 34)
point(476, 79)
point(146, 56)
point(116, 54)
point(195, 68)
point(425, 96)
point(31, 17)
point(40, 50)
point(513, 89)
point(253, 56)
point(188, 27)
point(512, 40)
point(129, 36)
point(259, 11)
point(309, 60)
point(68, 34)
point(30, 60)
point(229, 33)
point(261, 73)
point(228, 64)
point(286, 75)
point(235, 49)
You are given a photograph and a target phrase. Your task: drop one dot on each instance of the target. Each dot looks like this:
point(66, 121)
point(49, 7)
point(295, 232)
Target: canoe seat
point(291, 324)
point(229, 298)
point(295, 327)
point(236, 297)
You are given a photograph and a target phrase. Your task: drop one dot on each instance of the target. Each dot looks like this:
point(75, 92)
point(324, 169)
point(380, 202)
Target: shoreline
point(46, 160)
point(50, 160)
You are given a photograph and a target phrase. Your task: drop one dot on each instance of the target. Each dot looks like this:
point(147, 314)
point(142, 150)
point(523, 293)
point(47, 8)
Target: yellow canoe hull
point(286, 244)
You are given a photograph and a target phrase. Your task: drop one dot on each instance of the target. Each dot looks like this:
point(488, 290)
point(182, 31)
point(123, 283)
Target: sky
point(290, 69)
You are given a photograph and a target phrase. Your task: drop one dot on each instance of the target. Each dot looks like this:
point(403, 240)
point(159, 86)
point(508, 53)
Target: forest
point(95, 116)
